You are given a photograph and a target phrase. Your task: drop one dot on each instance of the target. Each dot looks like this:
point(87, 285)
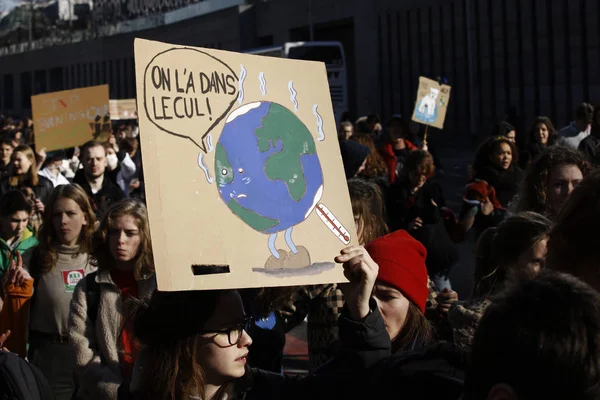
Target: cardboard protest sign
point(71, 117)
point(245, 183)
point(432, 103)
point(123, 109)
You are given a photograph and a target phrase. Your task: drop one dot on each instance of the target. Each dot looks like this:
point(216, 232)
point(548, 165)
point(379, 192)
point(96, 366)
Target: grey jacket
point(95, 345)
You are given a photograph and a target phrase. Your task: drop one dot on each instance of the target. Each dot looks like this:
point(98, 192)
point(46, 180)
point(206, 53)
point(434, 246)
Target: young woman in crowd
point(196, 343)
point(401, 289)
point(323, 303)
point(414, 204)
point(25, 174)
point(541, 137)
point(100, 327)
point(200, 352)
point(59, 262)
point(515, 250)
point(496, 181)
point(551, 179)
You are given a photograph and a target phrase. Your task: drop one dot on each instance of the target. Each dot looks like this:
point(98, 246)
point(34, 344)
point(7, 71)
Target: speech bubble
point(187, 92)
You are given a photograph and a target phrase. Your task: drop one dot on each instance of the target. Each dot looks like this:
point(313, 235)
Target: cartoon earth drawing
point(269, 175)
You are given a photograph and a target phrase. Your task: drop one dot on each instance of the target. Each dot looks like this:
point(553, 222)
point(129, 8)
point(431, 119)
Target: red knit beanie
point(401, 261)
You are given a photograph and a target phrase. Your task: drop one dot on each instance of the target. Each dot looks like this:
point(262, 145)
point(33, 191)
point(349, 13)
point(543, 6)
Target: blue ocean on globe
point(267, 168)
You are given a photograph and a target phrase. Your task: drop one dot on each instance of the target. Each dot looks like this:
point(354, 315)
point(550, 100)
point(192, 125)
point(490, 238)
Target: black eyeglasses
point(234, 334)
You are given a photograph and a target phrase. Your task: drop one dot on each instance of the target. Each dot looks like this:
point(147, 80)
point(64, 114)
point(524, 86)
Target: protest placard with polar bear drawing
point(432, 103)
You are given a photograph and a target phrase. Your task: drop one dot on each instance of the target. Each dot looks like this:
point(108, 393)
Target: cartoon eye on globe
point(269, 175)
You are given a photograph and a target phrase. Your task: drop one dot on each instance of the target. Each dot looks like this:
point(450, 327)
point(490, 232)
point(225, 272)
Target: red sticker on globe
point(71, 278)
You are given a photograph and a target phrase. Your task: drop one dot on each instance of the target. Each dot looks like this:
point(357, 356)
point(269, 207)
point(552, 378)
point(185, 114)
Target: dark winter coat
point(404, 207)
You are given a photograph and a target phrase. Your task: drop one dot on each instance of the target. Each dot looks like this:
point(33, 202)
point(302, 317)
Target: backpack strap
point(92, 296)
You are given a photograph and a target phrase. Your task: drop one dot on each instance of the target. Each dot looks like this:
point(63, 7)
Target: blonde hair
point(32, 174)
point(144, 259)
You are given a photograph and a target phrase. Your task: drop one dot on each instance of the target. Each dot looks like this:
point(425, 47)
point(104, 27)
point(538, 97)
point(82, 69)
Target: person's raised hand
point(361, 271)
point(16, 274)
point(415, 224)
point(39, 206)
point(3, 339)
point(445, 299)
point(42, 153)
point(487, 207)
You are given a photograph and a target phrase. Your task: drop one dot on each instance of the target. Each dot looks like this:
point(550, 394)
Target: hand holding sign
point(361, 271)
point(188, 101)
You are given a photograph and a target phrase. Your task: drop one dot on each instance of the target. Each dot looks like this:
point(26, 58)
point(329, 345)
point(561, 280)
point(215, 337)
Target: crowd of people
point(79, 301)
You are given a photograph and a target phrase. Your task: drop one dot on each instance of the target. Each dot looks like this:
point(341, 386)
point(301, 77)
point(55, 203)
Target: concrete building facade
point(521, 57)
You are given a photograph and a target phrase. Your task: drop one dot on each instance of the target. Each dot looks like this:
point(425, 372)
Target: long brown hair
point(534, 190)
point(367, 206)
point(144, 263)
point(48, 237)
point(169, 325)
point(502, 248)
point(375, 166)
point(32, 175)
point(416, 331)
point(420, 161)
point(552, 134)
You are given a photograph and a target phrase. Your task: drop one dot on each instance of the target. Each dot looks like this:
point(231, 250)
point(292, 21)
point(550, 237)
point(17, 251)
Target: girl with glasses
point(195, 343)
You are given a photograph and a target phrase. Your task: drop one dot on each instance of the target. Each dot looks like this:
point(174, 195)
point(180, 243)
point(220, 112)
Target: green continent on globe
point(224, 172)
point(281, 124)
point(256, 221)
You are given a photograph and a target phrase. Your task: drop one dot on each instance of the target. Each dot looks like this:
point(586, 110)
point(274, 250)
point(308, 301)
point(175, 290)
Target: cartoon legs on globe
point(288, 240)
point(272, 247)
point(297, 257)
